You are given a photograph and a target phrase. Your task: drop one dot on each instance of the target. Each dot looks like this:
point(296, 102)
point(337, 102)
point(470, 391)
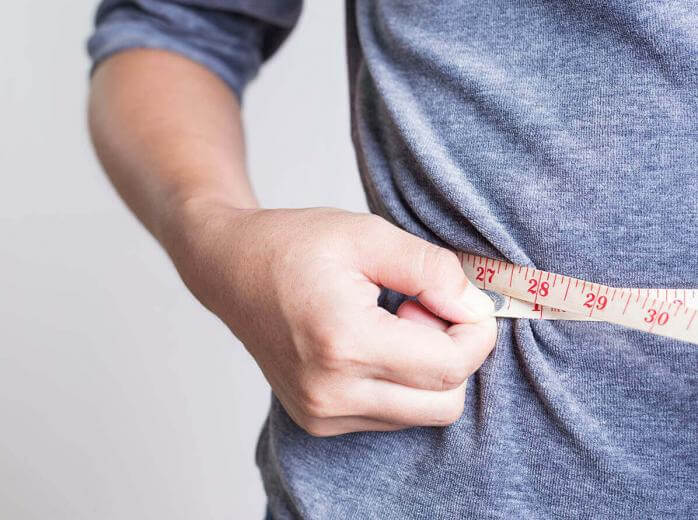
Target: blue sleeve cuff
point(228, 44)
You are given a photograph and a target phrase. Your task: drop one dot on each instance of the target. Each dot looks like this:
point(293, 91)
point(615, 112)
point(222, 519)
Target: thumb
point(407, 264)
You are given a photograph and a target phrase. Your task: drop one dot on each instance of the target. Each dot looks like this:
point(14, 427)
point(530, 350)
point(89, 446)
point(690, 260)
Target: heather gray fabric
point(232, 38)
point(561, 135)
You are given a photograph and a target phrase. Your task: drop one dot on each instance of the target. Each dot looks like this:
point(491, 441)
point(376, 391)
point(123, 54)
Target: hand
point(299, 288)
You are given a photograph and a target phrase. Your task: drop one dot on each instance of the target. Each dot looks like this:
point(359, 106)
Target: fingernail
point(476, 304)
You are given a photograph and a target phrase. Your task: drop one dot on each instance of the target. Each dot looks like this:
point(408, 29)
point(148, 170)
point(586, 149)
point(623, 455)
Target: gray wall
point(121, 397)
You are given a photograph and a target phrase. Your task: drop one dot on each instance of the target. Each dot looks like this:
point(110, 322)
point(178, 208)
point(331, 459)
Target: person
point(559, 135)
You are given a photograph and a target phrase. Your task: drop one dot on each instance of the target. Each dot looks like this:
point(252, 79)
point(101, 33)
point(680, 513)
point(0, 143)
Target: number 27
point(482, 273)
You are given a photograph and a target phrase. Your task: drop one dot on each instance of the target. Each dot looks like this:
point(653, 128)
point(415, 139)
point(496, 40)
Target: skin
point(297, 287)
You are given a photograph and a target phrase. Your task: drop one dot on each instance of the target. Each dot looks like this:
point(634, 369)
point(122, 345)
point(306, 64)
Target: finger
point(331, 420)
point(403, 262)
point(420, 356)
point(478, 339)
point(414, 311)
point(397, 404)
point(347, 424)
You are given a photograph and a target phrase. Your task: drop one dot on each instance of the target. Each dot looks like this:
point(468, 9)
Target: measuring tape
point(525, 292)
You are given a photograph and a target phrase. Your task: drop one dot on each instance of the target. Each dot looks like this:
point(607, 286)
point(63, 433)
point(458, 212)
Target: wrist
point(190, 216)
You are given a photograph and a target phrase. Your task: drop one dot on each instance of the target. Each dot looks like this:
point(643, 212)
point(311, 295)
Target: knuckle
point(317, 427)
point(453, 411)
point(454, 375)
point(437, 263)
point(372, 219)
point(314, 403)
point(335, 348)
point(372, 224)
point(332, 354)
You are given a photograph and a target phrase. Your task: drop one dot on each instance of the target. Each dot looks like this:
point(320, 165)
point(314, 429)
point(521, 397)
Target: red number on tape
point(653, 315)
point(482, 272)
point(535, 289)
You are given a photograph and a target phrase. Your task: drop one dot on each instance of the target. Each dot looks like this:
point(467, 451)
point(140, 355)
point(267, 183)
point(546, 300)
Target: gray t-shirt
point(556, 134)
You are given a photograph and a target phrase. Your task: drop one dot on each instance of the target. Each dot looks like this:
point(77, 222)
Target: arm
point(165, 147)
point(298, 287)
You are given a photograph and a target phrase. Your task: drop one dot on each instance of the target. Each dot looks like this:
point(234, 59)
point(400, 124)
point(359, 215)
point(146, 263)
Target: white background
point(120, 396)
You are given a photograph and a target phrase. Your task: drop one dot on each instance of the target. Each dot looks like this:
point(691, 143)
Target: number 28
point(540, 290)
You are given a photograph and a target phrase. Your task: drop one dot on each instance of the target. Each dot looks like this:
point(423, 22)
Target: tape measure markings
point(530, 293)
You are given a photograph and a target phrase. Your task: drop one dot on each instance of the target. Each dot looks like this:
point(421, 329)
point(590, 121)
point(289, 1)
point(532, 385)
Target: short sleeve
point(232, 38)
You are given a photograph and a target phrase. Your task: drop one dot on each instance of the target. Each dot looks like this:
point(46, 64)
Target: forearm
point(167, 132)
point(299, 288)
